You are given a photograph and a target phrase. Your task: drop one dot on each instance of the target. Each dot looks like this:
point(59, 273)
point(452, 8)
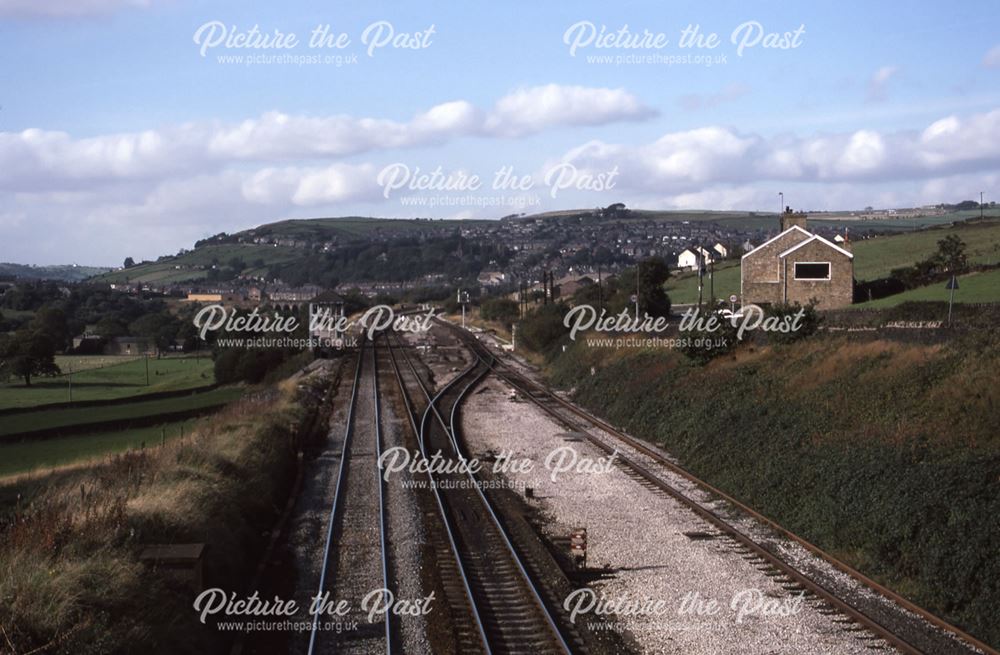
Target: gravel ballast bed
point(639, 535)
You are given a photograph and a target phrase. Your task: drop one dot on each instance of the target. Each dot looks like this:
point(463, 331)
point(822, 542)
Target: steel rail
point(450, 429)
point(449, 529)
point(827, 595)
point(337, 506)
point(382, 507)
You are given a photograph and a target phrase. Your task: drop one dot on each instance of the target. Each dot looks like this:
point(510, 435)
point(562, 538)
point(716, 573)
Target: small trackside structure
point(797, 266)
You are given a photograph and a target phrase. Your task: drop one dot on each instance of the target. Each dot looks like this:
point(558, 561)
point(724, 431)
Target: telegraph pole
point(637, 264)
point(700, 261)
point(600, 291)
point(711, 281)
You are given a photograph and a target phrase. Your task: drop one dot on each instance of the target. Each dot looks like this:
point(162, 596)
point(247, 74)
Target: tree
point(51, 321)
point(951, 254)
point(110, 327)
point(543, 328)
point(502, 310)
point(27, 353)
point(129, 263)
point(237, 264)
point(653, 272)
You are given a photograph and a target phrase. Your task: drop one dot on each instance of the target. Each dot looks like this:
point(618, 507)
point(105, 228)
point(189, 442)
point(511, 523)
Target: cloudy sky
point(135, 127)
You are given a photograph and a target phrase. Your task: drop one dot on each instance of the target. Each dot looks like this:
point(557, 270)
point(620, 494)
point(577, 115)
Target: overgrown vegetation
point(886, 454)
point(70, 577)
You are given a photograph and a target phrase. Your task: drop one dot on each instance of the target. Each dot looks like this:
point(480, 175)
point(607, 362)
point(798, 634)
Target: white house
point(690, 257)
point(721, 249)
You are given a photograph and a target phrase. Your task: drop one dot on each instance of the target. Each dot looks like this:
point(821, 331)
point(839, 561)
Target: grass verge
point(70, 577)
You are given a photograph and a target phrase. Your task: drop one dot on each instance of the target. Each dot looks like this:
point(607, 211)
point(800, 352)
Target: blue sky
point(118, 138)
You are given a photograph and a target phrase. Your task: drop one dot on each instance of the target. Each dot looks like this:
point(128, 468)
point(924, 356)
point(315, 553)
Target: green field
point(972, 288)
point(683, 287)
point(166, 271)
point(57, 418)
point(876, 258)
point(117, 381)
point(763, 220)
point(78, 363)
point(38, 454)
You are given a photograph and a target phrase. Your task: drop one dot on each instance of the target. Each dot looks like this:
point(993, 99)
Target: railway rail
point(358, 513)
point(648, 464)
point(506, 602)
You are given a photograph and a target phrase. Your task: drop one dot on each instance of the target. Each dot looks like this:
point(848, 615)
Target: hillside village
point(482, 254)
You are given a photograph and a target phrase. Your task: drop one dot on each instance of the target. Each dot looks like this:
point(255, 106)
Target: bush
point(542, 329)
point(502, 310)
point(702, 346)
point(808, 324)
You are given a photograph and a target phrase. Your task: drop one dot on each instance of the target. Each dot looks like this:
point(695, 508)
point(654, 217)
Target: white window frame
point(829, 272)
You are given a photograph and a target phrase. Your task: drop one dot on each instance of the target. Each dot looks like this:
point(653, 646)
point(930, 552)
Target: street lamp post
point(781, 203)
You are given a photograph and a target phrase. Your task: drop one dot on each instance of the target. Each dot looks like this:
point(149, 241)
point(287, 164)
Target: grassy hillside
point(41, 454)
point(973, 288)
point(876, 258)
point(768, 220)
point(119, 380)
point(70, 571)
point(356, 226)
point(885, 454)
point(140, 409)
point(67, 272)
point(683, 287)
point(188, 266)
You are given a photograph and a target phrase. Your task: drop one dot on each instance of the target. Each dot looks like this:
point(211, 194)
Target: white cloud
point(992, 58)
point(530, 110)
point(879, 81)
point(67, 8)
point(688, 161)
point(147, 193)
point(41, 159)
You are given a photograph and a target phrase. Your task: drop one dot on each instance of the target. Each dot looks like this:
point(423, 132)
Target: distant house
point(204, 297)
point(492, 278)
point(569, 286)
point(795, 267)
point(129, 346)
point(691, 257)
point(721, 250)
point(227, 297)
point(839, 239)
point(88, 344)
point(295, 294)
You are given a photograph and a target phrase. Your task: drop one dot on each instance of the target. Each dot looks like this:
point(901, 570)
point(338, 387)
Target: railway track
point(899, 630)
point(506, 604)
point(357, 528)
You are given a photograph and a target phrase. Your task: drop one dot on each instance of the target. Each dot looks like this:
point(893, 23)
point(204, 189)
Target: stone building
point(797, 266)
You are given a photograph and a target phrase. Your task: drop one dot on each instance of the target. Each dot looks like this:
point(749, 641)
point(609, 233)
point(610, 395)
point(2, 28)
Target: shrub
point(808, 324)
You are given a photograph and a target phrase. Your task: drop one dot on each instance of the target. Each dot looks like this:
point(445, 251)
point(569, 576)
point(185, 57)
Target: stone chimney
point(790, 218)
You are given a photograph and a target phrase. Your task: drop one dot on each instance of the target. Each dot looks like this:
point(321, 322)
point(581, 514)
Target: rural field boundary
point(123, 418)
point(79, 404)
